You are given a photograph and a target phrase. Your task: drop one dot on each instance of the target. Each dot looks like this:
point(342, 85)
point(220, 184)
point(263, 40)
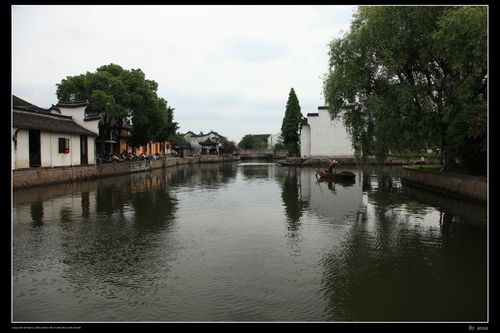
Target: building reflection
point(330, 200)
point(107, 234)
point(395, 265)
point(37, 213)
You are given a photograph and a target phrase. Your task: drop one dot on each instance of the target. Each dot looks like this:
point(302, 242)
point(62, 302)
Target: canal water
point(246, 242)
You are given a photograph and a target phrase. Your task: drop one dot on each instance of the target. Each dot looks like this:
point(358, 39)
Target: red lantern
point(66, 150)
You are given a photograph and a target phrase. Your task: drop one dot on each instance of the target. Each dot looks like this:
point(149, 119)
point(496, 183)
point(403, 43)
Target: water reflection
point(292, 199)
point(210, 176)
point(37, 213)
point(396, 266)
point(224, 242)
point(102, 242)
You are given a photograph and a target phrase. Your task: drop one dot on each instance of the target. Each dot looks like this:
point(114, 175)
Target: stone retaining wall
point(456, 185)
point(24, 178)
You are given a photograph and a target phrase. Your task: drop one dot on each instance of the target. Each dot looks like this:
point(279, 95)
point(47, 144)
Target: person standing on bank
point(333, 165)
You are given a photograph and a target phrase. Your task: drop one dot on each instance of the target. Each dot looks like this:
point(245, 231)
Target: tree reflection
point(153, 210)
point(294, 205)
point(251, 172)
point(119, 251)
point(389, 269)
point(208, 175)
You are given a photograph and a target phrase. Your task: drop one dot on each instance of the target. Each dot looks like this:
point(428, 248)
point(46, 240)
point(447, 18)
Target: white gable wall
point(78, 114)
point(305, 141)
point(326, 137)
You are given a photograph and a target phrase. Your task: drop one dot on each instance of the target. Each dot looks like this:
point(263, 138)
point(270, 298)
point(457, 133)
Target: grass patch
point(413, 155)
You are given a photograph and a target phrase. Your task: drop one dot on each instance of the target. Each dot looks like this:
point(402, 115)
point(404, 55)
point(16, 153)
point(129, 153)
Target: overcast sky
point(223, 68)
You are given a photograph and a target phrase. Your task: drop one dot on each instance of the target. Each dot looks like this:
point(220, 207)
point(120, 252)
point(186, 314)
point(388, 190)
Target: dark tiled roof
point(92, 117)
point(304, 122)
point(213, 132)
point(191, 133)
point(44, 121)
point(75, 104)
point(22, 104)
point(208, 142)
point(322, 107)
point(313, 114)
point(201, 134)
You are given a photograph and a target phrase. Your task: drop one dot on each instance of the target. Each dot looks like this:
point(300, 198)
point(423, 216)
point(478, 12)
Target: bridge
point(262, 154)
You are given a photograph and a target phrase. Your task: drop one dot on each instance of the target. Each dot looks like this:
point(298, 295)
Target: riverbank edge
point(326, 160)
point(459, 186)
point(33, 177)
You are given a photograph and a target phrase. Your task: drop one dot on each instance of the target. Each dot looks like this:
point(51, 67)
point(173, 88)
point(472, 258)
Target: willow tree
point(291, 122)
point(404, 78)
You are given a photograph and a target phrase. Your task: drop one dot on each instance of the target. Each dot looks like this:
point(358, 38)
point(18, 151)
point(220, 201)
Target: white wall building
point(76, 110)
point(274, 139)
point(44, 139)
point(212, 140)
point(322, 137)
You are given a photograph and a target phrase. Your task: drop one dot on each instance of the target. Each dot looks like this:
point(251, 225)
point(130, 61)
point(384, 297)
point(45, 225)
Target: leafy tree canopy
point(250, 141)
point(405, 78)
point(121, 95)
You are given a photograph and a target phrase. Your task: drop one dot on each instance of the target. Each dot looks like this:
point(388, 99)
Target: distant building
point(42, 138)
point(274, 139)
point(322, 137)
point(209, 143)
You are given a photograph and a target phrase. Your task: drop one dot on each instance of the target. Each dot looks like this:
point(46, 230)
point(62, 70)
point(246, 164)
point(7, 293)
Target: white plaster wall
point(305, 141)
point(61, 159)
point(91, 149)
point(329, 138)
point(49, 150)
point(78, 115)
point(22, 155)
point(92, 125)
point(194, 144)
point(74, 150)
point(46, 148)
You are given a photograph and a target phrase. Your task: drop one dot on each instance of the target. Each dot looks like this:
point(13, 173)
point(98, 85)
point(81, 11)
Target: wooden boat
point(344, 175)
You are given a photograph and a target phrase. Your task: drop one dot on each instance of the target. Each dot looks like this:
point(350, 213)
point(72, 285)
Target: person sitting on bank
point(333, 165)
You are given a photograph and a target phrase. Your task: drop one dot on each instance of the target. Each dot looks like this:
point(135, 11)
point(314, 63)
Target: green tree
point(121, 95)
point(177, 140)
point(249, 141)
point(228, 147)
point(279, 146)
point(291, 122)
point(403, 78)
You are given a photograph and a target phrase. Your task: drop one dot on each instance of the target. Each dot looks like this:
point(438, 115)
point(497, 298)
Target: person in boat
point(420, 161)
point(333, 165)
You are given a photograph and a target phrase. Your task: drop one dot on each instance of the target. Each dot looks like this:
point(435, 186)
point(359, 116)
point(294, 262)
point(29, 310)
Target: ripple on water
point(252, 243)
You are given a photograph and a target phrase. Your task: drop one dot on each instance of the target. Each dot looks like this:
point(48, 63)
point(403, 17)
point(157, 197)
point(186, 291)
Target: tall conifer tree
point(291, 122)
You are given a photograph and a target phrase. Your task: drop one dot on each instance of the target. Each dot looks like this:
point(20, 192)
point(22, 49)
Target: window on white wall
point(63, 145)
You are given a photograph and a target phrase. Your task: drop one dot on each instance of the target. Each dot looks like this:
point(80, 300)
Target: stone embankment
point(316, 161)
point(24, 178)
point(452, 184)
